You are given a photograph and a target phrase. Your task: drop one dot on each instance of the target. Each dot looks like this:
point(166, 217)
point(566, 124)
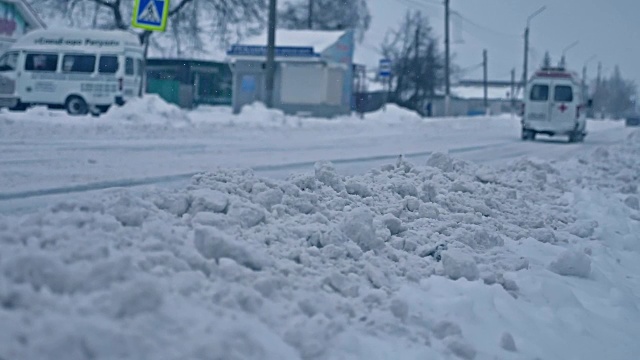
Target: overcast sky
point(609, 29)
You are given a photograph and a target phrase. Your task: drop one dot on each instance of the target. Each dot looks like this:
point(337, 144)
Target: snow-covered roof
point(318, 40)
point(27, 12)
point(477, 92)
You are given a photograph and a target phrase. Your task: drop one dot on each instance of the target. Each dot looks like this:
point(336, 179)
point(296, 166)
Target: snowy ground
point(150, 142)
point(428, 257)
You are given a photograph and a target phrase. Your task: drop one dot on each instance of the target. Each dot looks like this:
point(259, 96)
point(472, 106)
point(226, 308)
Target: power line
point(482, 27)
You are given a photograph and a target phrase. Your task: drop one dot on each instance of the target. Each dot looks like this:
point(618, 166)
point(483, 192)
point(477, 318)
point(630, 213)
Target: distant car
point(632, 121)
point(553, 105)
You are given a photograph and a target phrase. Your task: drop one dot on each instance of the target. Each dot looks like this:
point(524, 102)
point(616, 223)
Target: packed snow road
point(47, 155)
point(430, 257)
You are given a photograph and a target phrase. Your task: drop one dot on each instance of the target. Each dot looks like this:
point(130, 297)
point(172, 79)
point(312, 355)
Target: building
point(314, 72)
point(189, 83)
point(467, 99)
point(16, 19)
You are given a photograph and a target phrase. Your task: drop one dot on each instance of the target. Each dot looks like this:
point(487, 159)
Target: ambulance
point(554, 105)
point(82, 71)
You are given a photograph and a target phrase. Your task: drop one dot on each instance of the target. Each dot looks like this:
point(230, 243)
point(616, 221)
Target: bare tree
point(614, 96)
point(418, 65)
point(191, 22)
point(326, 15)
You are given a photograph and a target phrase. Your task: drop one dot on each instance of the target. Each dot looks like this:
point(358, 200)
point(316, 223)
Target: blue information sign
point(384, 69)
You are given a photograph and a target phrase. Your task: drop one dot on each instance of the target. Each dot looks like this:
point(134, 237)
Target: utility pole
point(416, 66)
point(525, 72)
point(447, 66)
point(584, 83)
point(485, 81)
point(513, 89)
point(310, 13)
point(526, 57)
point(271, 54)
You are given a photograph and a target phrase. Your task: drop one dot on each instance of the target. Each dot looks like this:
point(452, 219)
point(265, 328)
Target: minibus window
point(108, 64)
point(79, 63)
point(539, 93)
point(563, 93)
point(129, 66)
point(41, 62)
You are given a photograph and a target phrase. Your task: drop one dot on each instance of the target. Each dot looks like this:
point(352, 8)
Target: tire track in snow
point(154, 180)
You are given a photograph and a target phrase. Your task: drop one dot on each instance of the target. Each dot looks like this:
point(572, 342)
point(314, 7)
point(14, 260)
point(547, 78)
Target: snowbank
point(149, 109)
point(445, 260)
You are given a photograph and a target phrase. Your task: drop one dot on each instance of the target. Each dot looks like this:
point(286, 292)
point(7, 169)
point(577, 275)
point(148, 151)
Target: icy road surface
point(47, 155)
point(430, 258)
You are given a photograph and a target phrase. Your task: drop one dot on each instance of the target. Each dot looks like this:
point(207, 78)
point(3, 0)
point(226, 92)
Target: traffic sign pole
point(384, 72)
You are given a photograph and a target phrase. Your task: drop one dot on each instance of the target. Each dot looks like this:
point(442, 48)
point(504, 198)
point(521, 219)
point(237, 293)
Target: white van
point(554, 105)
point(82, 71)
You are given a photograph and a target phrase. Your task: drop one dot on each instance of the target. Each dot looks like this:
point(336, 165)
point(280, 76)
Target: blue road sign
point(384, 69)
point(283, 51)
point(150, 14)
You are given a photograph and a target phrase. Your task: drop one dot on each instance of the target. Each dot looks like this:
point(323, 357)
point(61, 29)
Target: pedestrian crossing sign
point(150, 14)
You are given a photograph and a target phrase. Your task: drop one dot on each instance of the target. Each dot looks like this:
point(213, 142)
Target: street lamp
point(564, 52)
point(525, 73)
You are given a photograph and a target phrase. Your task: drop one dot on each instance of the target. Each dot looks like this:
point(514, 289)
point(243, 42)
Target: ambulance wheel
point(575, 137)
point(528, 135)
point(75, 105)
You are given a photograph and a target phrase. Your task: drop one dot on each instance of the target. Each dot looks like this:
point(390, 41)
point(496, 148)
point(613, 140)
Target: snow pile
point(446, 260)
point(149, 109)
point(394, 113)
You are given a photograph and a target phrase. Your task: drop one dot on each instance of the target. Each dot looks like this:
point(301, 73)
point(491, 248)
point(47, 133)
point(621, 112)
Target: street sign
point(281, 51)
point(384, 69)
point(150, 14)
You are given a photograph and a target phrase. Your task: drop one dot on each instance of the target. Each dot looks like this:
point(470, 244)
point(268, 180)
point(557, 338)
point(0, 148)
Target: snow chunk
point(411, 203)
point(247, 214)
point(269, 198)
point(405, 188)
point(136, 298)
point(212, 243)
point(632, 202)
point(342, 285)
point(459, 265)
point(326, 173)
point(481, 239)
point(440, 161)
point(583, 229)
point(461, 349)
point(461, 186)
point(358, 188)
point(393, 224)
point(400, 309)
point(572, 263)
point(208, 200)
point(358, 227)
point(544, 235)
point(428, 211)
point(39, 271)
point(429, 193)
point(445, 329)
point(507, 342)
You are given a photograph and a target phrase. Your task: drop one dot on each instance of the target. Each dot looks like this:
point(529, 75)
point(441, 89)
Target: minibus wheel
point(20, 106)
point(75, 105)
